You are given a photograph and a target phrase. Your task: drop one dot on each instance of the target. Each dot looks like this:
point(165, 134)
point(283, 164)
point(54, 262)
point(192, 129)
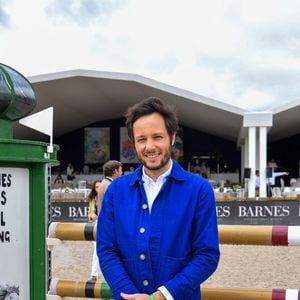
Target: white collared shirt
point(152, 189)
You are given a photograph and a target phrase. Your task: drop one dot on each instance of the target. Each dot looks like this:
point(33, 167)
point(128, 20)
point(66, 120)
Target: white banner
point(14, 233)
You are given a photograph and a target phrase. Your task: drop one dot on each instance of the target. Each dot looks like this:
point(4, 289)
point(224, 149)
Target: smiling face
point(152, 144)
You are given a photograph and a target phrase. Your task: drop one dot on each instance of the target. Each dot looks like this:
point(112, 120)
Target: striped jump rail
point(229, 234)
point(80, 288)
point(98, 289)
point(260, 235)
point(72, 231)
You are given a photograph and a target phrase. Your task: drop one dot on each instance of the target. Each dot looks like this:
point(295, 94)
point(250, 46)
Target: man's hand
point(157, 296)
point(135, 296)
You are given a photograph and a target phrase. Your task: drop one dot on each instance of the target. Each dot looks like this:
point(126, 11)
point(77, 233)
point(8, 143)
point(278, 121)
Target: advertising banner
point(14, 233)
point(229, 212)
point(69, 211)
point(259, 212)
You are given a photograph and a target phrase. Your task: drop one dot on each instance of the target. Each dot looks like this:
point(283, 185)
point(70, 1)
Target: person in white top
point(271, 181)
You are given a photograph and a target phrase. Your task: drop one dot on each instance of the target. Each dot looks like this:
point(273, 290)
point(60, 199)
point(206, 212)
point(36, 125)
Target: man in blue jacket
point(157, 235)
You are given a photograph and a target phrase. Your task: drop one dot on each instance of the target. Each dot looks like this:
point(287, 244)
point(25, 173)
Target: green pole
point(38, 280)
point(105, 291)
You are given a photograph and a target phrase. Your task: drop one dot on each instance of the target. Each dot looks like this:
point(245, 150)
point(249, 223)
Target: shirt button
point(145, 282)
point(142, 230)
point(142, 256)
point(145, 206)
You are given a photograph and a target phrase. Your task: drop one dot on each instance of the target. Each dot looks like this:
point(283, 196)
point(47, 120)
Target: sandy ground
point(240, 266)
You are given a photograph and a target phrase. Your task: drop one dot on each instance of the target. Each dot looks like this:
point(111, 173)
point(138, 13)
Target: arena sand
point(240, 266)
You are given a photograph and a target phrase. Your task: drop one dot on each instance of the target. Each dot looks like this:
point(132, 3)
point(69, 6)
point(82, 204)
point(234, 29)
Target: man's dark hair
point(110, 166)
point(149, 106)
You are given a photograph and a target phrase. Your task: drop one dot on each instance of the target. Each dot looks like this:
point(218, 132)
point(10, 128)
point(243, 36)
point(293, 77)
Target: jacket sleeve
point(110, 260)
point(205, 256)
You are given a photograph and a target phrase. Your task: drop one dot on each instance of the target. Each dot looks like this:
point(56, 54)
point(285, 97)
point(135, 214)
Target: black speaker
point(247, 173)
point(269, 172)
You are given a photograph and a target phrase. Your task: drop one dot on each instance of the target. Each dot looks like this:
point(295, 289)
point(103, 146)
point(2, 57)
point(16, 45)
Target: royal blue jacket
point(176, 246)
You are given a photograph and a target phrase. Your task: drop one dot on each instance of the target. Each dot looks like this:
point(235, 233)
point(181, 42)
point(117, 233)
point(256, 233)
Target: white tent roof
point(82, 97)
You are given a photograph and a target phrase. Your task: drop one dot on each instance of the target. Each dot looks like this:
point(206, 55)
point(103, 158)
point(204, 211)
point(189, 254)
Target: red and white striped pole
point(229, 234)
point(260, 235)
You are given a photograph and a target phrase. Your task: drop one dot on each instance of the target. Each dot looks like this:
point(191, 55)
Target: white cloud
point(241, 52)
point(4, 17)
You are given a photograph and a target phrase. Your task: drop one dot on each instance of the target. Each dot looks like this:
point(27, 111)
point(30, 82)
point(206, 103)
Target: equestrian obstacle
point(80, 288)
point(229, 234)
point(98, 289)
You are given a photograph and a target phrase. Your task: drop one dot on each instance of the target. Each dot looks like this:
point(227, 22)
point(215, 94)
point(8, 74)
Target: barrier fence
point(92, 289)
point(229, 234)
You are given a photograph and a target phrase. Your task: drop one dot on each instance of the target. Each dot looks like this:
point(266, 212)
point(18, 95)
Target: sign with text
point(249, 212)
point(14, 233)
point(69, 211)
point(259, 212)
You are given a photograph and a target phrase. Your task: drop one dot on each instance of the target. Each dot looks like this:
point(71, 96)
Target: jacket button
point(142, 256)
point(145, 206)
point(145, 282)
point(142, 230)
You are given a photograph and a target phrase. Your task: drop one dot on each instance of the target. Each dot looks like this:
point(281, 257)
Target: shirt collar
point(163, 176)
point(177, 173)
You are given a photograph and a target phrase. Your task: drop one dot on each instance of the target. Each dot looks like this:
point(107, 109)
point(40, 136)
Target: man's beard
point(164, 161)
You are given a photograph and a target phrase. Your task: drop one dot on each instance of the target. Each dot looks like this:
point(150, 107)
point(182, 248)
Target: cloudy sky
point(242, 52)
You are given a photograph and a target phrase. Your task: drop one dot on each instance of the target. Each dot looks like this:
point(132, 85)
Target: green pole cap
point(17, 97)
